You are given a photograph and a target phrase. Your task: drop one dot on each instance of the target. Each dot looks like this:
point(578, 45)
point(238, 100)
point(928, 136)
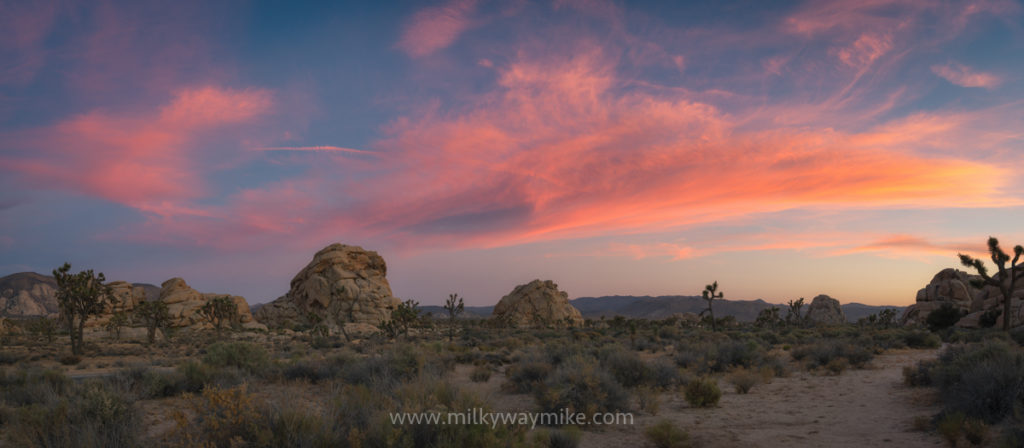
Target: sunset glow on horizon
point(617, 148)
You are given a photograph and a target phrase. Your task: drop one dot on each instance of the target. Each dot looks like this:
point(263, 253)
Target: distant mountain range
point(30, 294)
point(660, 307)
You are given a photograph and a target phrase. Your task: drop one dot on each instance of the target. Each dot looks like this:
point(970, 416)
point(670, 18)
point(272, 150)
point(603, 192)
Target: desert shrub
point(398, 364)
point(918, 375)
point(7, 358)
point(956, 426)
point(427, 394)
point(580, 385)
point(195, 376)
point(245, 356)
point(480, 374)
point(703, 393)
point(837, 366)
point(663, 374)
point(944, 317)
point(223, 417)
point(70, 360)
point(921, 339)
point(315, 371)
point(649, 400)
point(821, 353)
point(33, 386)
point(626, 366)
point(525, 376)
point(665, 434)
point(1018, 335)
point(295, 428)
point(984, 381)
point(743, 379)
point(562, 438)
point(87, 415)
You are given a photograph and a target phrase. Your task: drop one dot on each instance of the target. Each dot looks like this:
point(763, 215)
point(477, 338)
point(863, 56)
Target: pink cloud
point(964, 76)
point(436, 28)
point(145, 160)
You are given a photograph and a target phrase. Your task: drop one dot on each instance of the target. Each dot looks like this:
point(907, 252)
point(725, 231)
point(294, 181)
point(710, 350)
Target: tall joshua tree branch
point(1005, 280)
point(710, 295)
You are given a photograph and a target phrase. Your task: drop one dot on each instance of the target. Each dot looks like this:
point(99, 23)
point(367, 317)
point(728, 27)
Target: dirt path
point(859, 408)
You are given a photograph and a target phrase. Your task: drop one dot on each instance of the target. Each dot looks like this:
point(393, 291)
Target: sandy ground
point(859, 408)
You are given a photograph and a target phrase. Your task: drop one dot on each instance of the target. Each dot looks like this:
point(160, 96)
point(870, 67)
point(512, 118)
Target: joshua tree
point(768, 316)
point(1005, 280)
point(44, 327)
point(116, 323)
point(710, 295)
point(79, 296)
point(402, 318)
point(218, 311)
point(154, 315)
point(793, 315)
point(318, 329)
point(454, 307)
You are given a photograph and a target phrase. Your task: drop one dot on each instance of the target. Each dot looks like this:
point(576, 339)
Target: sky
point(783, 149)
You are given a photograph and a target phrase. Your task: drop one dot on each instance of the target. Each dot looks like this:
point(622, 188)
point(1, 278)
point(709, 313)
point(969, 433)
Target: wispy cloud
point(317, 148)
point(965, 76)
point(435, 28)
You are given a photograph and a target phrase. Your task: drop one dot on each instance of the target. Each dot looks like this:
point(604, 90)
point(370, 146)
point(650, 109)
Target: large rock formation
point(537, 304)
point(825, 310)
point(183, 304)
point(342, 285)
point(955, 288)
point(28, 294)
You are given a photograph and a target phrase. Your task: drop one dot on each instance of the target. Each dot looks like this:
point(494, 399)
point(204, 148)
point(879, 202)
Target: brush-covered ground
point(741, 386)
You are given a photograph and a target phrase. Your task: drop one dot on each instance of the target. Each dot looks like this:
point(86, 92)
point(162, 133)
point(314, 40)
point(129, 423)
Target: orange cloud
point(562, 150)
point(910, 245)
point(436, 28)
point(964, 76)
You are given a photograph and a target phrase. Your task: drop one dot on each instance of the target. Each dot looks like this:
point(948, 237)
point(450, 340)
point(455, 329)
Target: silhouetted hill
point(660, 307)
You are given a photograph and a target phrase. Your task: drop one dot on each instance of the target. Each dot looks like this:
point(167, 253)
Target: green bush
point(665, 434)
point(703, 393)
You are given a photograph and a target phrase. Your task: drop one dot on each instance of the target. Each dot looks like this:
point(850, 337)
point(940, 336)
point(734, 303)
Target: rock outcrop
point(956, 288)
point(825, 310)
point(28, 294)
point(183, 304)
point(537, 304)
point(342, 285)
